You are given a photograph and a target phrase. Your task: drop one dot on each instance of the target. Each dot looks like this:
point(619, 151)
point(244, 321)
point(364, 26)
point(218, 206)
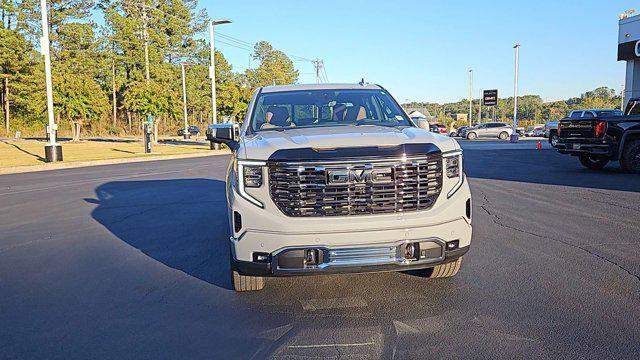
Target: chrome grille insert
point(307, 189)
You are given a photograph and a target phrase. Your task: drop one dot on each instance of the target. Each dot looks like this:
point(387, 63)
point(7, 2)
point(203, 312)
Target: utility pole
point(53, 150)
point(514, 136)
point(5, 101)
point(318, 64)
point(184, 100)
point(113, 87)
point(145, 34)
point(470, 97)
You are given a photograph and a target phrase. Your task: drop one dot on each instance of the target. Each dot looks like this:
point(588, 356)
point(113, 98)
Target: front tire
point(593, 163)
point(503, 135)
point(553, 140)
point(630, 159)
point(246, 283)
point(441, 271)
point(472, 136)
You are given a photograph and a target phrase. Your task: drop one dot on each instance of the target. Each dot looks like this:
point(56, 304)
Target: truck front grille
point(308, 189)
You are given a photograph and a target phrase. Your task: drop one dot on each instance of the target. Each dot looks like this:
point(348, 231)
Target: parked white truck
point(331, 179)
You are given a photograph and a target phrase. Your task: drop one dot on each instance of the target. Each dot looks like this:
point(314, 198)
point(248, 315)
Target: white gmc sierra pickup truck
point(329, 179)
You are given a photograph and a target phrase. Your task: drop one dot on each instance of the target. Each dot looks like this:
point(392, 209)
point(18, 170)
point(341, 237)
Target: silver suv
point(336, 178)
point(494, 130)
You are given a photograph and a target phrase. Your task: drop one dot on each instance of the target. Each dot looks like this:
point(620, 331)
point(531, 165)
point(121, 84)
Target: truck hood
point(262, 145)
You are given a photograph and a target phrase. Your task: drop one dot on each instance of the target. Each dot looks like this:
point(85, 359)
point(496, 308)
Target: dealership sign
point(629, 50)
point(490, 97)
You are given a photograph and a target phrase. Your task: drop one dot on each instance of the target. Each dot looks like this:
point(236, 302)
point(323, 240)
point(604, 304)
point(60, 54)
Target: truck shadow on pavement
point(546, 167)
point(181, 223)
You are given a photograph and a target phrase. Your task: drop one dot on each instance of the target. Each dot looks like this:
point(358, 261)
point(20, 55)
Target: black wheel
point(503, 135)
point(553, 139)
point(593, 163)
point(472, 136)
point(630, 159)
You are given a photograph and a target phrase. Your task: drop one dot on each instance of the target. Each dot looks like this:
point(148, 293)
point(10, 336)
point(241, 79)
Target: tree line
point(100, 82)
point(531, 108)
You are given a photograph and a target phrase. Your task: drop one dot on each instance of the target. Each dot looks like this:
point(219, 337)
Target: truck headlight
point(453, 168)
point(249, 175)
point(252, 176)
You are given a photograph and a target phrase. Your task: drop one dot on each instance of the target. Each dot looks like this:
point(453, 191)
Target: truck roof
point(298, 87)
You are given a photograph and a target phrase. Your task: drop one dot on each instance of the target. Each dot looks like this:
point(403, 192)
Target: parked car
point(551, 132)
point(296, 174)
point(534, 131)
point(459, 131)
point(438, 128)
point(498, 130)
point(193, 131)
point(599, 136)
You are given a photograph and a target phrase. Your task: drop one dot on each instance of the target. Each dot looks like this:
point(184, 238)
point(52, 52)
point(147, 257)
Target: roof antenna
point(362, 82)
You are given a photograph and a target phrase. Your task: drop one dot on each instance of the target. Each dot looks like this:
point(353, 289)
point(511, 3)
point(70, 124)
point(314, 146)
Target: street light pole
point(53, 150)
point(212, 71)
point(514, 136)
point(470, 97)
point(184, 100)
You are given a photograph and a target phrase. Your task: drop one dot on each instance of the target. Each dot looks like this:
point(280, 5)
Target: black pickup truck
point(601, 137)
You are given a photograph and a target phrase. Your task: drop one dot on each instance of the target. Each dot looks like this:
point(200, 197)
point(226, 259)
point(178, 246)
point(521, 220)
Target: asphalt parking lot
point(130, 261)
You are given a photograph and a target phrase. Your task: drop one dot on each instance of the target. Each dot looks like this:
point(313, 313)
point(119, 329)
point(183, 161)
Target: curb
point(80, 164)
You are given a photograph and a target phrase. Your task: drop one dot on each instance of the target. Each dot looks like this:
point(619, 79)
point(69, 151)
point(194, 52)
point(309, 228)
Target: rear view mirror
point(223, 134)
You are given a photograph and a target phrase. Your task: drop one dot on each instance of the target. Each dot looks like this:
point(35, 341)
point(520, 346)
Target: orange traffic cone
point(539, 145)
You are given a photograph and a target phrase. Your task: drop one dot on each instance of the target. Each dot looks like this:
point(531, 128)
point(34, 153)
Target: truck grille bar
point(309, 189)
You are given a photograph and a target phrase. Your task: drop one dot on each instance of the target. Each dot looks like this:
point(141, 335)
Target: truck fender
point(624, 139)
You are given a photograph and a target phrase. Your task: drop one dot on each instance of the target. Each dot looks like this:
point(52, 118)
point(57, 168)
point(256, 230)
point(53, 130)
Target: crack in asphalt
point(497, 220)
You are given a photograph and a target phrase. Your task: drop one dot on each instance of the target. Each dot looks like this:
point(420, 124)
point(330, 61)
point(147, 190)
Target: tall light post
point(184, 101)
point(212, 70)
point(53, 150)
point(514, 136)
point(470, 97)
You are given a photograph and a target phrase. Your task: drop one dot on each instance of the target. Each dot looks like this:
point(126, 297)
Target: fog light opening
point(412, 251)
point(311, 257)
point(261, 257)
point(453, 245)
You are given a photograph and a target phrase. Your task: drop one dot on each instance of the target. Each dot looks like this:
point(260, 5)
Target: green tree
point(275, 67)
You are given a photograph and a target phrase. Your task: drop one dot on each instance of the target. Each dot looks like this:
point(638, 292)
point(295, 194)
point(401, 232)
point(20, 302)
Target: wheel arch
point(629, 135)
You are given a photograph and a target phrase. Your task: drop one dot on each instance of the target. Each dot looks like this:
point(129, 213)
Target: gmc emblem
point(360, 176)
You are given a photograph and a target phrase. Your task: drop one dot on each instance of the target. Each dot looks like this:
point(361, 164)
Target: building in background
point(629, 51)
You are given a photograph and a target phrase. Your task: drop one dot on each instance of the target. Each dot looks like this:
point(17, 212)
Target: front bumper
point(272, 269)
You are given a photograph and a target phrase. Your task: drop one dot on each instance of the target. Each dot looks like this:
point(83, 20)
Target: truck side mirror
point(223, 134)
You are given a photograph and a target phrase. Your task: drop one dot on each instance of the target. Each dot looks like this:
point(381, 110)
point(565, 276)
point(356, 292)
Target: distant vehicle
point(193, 131)
point(498, 130)
point(459, 131)
point(438, 128)
point(598, 136)
point(551, 132)
point(534, 131)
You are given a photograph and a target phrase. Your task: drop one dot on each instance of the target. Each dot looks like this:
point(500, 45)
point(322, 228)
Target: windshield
point(322, 108)
point(609, 113)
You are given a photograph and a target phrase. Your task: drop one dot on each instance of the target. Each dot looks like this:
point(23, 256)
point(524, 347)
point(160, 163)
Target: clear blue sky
point(422, 50)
